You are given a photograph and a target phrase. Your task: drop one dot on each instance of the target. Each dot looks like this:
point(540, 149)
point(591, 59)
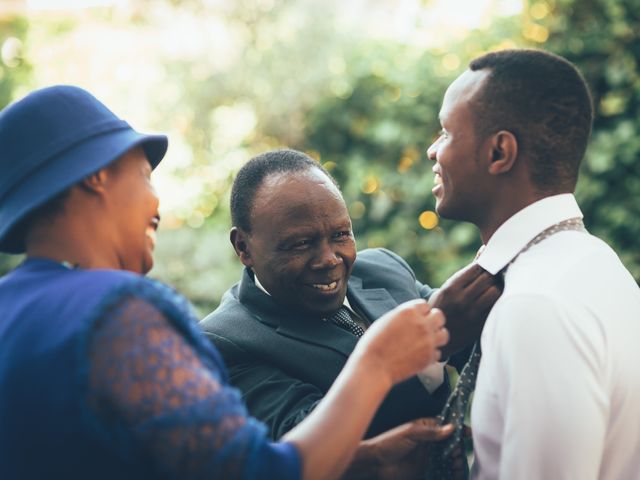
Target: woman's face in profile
point(133, 207)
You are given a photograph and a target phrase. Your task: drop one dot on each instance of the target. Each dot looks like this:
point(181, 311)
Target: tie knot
point(342, 318)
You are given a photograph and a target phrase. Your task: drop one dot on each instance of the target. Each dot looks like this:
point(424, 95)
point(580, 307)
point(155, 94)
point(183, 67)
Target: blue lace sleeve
point(145, 378)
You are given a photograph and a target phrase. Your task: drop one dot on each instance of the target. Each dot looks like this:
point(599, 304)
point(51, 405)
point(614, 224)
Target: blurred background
point(357, 84)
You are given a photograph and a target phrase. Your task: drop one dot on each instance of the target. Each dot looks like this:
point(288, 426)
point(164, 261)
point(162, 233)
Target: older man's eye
point(342, 235)
point(300, 244)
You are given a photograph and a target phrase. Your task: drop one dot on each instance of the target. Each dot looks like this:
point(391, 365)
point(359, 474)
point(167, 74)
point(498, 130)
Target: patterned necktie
point(440, 466)
point(342, 318)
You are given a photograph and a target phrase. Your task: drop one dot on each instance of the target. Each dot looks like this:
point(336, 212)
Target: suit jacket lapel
point(319, 332)
point(373, 302)
point(291, 324)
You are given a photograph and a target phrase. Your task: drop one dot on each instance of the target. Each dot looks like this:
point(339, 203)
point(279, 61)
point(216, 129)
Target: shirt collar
point(259, 285)
point(514, 234)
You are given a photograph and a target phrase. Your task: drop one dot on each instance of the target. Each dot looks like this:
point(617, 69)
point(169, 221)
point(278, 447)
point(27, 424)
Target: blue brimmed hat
point(52, 139)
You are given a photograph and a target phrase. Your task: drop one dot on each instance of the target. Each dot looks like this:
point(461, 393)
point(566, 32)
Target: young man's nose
point(431, 151)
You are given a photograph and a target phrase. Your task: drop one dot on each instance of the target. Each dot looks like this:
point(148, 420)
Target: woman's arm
point(145, 377)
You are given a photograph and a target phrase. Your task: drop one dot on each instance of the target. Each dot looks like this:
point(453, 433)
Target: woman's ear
point(238, 238)
point(95, 183)
point(503, 151)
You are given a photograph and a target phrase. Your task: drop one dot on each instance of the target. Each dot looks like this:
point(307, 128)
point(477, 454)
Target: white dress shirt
point(431, 377)
point(558, 390)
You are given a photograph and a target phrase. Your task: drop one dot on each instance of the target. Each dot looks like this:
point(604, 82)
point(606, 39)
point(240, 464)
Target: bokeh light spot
point(330, 166)
point(11, 52)
point(357, 209)
point(535, 32)
point(196, 219)
point(405, 163)
point(370, 185)
point(428, 220)
point(539, 10)
point(451, 61)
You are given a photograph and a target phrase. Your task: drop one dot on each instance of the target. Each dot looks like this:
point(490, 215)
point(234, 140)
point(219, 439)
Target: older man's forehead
point(301, 198)
point(304, 211)
point(305, 183)
point(313, 174)
point(310, 227)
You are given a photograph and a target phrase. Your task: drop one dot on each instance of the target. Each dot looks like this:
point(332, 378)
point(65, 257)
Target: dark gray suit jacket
point(284, 363)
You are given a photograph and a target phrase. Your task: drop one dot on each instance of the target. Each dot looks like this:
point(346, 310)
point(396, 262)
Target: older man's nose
point(326, 256)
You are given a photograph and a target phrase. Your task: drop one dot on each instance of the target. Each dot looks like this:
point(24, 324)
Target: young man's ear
point(238, 239)
point(503, 151)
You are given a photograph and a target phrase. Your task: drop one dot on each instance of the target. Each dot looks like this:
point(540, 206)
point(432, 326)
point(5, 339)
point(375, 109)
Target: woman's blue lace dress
point(105, 374)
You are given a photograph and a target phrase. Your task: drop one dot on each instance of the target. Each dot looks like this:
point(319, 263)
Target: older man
point(288, 327)
point(558, 392)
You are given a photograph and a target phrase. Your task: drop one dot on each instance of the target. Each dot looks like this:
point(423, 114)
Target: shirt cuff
point(432, 376)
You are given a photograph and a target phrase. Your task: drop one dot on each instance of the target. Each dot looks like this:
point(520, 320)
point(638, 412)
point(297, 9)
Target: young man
point(558, 393)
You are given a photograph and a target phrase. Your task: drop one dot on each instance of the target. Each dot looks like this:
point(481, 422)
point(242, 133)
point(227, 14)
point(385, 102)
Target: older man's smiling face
point(301, 245)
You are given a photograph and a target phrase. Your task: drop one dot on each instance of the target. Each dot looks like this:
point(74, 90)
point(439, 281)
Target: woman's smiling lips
point(151, 230)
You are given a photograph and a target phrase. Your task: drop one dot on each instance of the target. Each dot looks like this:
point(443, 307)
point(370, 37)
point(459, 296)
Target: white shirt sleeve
point(547, 360)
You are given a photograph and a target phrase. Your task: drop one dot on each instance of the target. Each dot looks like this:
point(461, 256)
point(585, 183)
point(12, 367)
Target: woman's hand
point(404, 341)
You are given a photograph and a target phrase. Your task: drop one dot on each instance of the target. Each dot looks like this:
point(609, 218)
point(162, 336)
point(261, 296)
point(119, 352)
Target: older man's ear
point(238, 239)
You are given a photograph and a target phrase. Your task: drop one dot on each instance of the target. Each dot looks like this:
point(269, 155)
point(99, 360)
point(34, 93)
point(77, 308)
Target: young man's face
point(459, 177)
point(301, 246)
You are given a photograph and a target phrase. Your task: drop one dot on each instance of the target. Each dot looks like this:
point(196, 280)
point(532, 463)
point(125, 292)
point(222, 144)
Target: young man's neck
point(507, 206)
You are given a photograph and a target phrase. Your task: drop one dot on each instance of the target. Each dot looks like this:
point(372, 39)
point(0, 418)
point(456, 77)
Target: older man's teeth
point(324, 286)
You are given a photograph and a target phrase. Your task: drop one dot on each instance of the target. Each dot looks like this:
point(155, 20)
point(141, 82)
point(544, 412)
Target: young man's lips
point(437, 184)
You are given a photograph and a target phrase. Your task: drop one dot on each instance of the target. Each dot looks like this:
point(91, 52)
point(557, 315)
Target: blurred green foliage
point(14, 73)
point(14, 67)
point(603, 38)
point(294, 76)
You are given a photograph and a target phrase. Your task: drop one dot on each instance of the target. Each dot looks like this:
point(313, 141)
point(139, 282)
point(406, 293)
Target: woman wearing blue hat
point(104, 373)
